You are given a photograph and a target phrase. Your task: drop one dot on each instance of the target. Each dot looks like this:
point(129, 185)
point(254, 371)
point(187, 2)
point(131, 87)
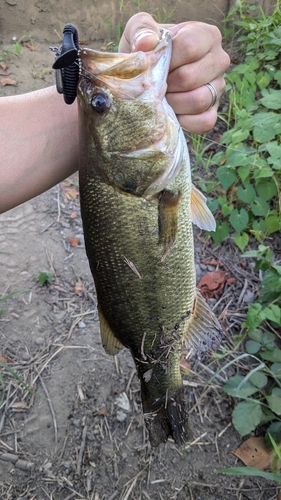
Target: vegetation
point(245, 190)
point(248, 200)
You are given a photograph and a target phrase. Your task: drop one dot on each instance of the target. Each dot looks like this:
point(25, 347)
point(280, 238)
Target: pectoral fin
point(110, 343)
point(168, 219)
point(204, 331)
point(201, 214)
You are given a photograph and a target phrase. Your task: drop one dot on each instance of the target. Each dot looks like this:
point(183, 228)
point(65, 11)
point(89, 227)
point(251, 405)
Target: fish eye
point(100, 102)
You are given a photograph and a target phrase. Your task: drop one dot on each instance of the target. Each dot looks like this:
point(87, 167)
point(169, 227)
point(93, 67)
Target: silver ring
point(214, 94)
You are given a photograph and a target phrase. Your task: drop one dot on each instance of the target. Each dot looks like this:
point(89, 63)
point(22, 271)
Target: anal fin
point(110, 343)
point(204, 331)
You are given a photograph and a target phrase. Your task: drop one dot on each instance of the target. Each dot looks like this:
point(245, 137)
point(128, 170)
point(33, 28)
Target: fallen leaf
point(73, 215)
point(4, 72)
point(74, 242)
point(31, 47)
point(254, 453)
point(3, 360)
point(230, 281)
point(212, 283)
point(7, 81)
point(78, 289)
point(3, 66)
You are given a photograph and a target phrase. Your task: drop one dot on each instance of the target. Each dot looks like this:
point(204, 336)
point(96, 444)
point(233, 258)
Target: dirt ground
point(79, 433)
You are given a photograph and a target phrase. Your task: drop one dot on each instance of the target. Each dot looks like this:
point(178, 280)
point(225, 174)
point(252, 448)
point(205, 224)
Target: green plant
point(249, 166)
point(252, 471)
point(258, 393)
point(9, 296)
point(17, 48)
point(45, 277)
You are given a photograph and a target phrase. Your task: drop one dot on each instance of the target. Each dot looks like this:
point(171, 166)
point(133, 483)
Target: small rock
point(249, 297)
point(121, 416)
point(39, 341)
point(25, 356)
point(81, 324)
point(212, 302)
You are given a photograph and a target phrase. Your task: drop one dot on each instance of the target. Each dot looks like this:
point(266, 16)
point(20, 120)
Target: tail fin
point(166, 417)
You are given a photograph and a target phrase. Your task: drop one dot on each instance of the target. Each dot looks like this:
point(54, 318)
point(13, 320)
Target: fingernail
point(151, 36)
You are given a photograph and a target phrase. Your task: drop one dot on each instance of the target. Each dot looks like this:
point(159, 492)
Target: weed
point(45, 277)
point(249, 167)
point(258, 394)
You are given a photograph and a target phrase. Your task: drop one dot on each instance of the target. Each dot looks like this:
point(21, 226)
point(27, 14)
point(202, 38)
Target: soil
point(75, 430)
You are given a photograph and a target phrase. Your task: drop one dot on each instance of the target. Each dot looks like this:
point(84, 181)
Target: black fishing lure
point(67, 64)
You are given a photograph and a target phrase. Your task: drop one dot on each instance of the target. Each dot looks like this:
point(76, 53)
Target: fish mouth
point(128, 76)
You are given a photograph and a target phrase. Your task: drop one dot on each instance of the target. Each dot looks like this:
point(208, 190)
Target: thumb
point(141, 33)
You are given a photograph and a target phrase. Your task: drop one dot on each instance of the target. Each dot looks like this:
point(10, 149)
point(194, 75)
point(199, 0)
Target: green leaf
point(275, 431)
point(258, 379)
point(212, 204)
point(271, 355)
point(272, 313)
point(271, 98)
point(274, 400)
point(246, 193)
point(277, 77)
point(266, 126)
point(244, 172)
point(266, 188)
point(263, 79)
point(250, 471)
point(45, 277)
point(260, 206)
point(222, 231)
point(239, 219)
point(256, 335)
point(241, 240)
point(252, 347)
point(274, 149)
point(246, 389)
point(268, 338)
point(246, 416)
point(272, 223)
point(226, 176)
point(252, 318)
point(276, 369)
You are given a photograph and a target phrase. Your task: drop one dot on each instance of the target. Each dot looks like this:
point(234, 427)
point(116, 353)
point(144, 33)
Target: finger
point(195, 101)
point(141, 33)
point(197, 39)
point(202, 60)
point(199, 124)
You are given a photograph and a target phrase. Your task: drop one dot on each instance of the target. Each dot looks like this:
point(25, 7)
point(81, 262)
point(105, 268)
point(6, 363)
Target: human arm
point(39, 144)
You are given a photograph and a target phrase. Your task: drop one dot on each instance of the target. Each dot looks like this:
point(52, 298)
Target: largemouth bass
point(138, 205)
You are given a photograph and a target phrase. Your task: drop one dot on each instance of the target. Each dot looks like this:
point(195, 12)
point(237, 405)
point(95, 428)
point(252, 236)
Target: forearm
point(39, 144)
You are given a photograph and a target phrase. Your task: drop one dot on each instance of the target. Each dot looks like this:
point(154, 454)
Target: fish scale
point(137, 209)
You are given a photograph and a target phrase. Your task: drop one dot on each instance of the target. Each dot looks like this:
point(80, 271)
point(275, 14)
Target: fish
point(138, 205)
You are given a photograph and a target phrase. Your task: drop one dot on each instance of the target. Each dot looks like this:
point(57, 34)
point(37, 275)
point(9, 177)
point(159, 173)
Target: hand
point(197, 58)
